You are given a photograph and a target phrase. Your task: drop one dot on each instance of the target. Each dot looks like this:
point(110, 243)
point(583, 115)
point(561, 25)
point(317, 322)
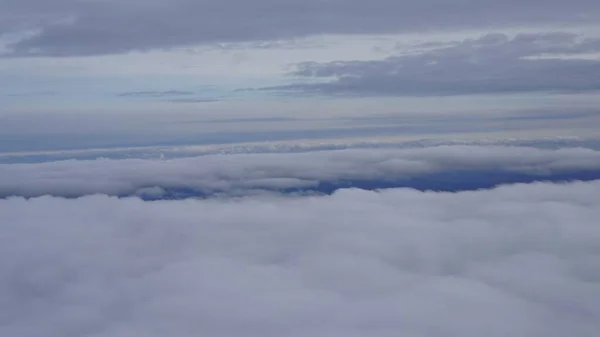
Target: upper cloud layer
point(72, 27)
point(494, 63)
point(233, 174)
point(518, 261)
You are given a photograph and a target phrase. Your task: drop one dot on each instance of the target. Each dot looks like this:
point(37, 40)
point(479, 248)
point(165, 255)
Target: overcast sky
point(296, 121)
point(295, 59)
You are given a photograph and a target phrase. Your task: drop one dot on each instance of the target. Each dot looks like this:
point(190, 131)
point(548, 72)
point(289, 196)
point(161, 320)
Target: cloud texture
point(519, 260)
point(232, 174)
point(73, 27)
point(493, 63)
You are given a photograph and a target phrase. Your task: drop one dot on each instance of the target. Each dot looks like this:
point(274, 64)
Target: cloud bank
point(296, 146)
point(520, 260)
point(243, 173)
point(72, 27)
point(493, 63)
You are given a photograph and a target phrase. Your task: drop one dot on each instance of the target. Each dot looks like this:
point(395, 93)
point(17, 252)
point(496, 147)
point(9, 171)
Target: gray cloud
point(173, 96)
point(71, 27)
point(301, 146)
point(32, 94)
point(493, 63)
point(155, 93)
point(194, 100)
point(519, 261)
point(230, 174)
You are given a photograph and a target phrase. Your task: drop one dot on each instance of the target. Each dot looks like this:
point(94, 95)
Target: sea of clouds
point(515, 260)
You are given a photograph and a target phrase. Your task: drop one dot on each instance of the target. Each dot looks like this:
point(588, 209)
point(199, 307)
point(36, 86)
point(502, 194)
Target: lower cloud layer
point(519, 260)
point(446, 168)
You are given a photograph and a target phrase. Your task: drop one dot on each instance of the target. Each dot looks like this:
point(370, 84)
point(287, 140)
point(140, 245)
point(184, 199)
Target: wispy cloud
point(194, 100)
point(491, 64)
point(32, 94)
point(156, 93)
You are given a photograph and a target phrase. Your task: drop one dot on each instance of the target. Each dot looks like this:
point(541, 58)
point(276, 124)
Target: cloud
point(173, 96)
point(194, 100)
point(245, 120)
point(72, 27)
point(155, 93)
point(520, 260)
point(238, 174)
point(294, 146)
point(494, 63)
point(32, 94)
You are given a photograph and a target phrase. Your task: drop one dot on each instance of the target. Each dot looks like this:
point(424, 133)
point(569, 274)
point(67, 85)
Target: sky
point(104, 73)
point(299, 168)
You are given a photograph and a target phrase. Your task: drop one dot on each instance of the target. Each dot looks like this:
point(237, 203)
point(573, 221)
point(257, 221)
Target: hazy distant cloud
point(233, 174)
point(31, 94)
point(297, 146)
point(520, 260)
point(493, 63)
point(173, 96)
point(194, 100)
point(72, 27)
point(156, 94)
point(268, 44)
point(244, 120)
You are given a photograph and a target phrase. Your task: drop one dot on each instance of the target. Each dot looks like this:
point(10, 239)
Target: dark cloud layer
point(72, 27)
point(494, 63)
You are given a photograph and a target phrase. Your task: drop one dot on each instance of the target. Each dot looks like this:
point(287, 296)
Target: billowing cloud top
point(516, 261)
point(233, 174)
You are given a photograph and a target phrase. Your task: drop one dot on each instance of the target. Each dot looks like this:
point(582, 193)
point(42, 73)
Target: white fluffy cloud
point(520, 260)
point(228, 173)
